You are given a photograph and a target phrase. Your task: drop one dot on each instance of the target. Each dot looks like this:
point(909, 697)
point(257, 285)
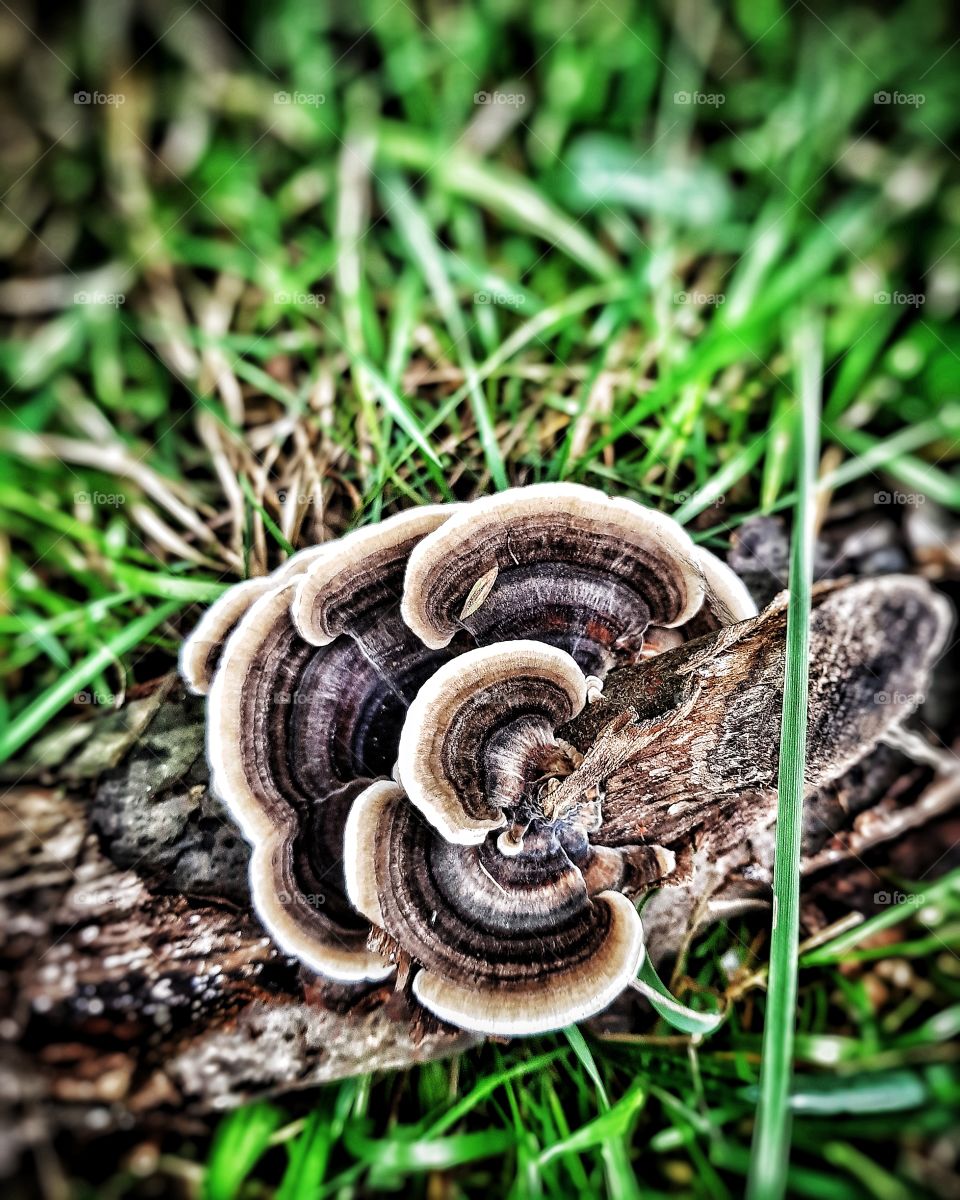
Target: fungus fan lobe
point(298, 889)
point(254, 752)
point(201, 651)
point(514, 935)
point(595, 618)
point(349, 601)
point(725, 600)
point(505, 944)
point(353, 588)
point(491, 910)
point(297, 728)
point(479, 735)
point(290, 722)
point(344, 718)
point(569, 566)
point(563, 992)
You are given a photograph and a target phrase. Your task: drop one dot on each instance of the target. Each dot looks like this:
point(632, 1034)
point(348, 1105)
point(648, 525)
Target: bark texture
point(137, 984)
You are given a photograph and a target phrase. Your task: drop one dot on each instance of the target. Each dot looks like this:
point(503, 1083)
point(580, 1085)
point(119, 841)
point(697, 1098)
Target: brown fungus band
point(507, 944)
point(478, 742)
point(382, 722)
point(559, 563)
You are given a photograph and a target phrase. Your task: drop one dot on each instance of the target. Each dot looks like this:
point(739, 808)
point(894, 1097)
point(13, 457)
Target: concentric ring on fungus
point(382, 717)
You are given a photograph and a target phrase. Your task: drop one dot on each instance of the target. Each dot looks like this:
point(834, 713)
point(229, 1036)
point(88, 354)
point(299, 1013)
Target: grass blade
point(353, 174)
point(240, 1141)
point(169, 587)
point(413, 227)
point(730, 473)
point(768, 1171)
point(49, 702)
point(609, 1128)
point(833, 951)
point(680, 1016)
point(924, 477)
point(394, 404)
point(487, 1086)
point(272, 527)
point(608, 1131)
point(429, 1154)
point(499, 189)
point(307, 1164)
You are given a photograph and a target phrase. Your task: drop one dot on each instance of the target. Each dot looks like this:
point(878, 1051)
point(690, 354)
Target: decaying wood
point(684, 746)
point(137, 981)
point(135, 978)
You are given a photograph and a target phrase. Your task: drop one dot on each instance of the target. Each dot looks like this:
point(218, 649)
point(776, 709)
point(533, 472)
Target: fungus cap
point(365, 566)
point(558, 562)
point(200, 653)
point(481, 729)
point(382, 723)
point(507, 945)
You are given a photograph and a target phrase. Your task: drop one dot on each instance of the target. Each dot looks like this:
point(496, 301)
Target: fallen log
point(137, 983)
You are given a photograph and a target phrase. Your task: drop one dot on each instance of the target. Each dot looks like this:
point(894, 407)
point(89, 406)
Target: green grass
point(398, 294)
point(772, 1135)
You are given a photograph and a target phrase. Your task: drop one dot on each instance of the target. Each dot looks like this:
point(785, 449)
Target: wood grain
point(135, 981)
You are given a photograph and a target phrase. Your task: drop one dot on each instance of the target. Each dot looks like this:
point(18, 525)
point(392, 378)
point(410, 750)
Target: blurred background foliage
point(271, 270)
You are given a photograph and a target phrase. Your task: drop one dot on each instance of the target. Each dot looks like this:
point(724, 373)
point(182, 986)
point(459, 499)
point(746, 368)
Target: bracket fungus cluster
point(383, 717)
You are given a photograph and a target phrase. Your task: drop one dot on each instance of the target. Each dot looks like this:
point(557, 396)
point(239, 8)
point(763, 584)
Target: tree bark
point(136, 981)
